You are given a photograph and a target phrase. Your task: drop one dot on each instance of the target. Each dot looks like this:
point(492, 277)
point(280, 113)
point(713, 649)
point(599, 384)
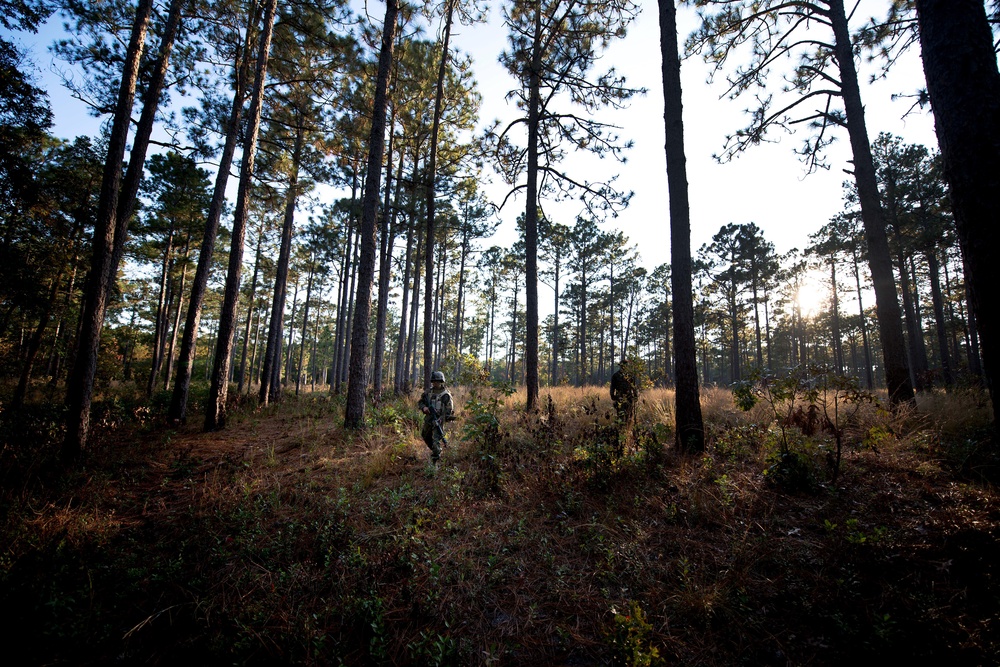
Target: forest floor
point(287, 540)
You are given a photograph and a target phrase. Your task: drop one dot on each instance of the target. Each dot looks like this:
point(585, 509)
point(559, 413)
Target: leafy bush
point(630, 639)
point(791, 471)
point(434, 650)
point(482, 429)
point(810, 399)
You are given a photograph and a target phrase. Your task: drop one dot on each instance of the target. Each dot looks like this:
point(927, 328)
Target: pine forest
point(385, 334)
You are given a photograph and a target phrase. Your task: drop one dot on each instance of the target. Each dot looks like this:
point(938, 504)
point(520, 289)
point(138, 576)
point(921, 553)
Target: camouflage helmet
point(437, 376)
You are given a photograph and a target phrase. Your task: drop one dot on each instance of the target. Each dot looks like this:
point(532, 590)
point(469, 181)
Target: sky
point(767, 185)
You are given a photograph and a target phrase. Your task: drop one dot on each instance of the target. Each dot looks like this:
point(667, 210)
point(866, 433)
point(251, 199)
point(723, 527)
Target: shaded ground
point(285, 539)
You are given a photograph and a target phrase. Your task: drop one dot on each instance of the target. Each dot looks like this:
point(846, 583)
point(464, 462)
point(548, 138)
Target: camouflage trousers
point(625, 411)
point(433, 438)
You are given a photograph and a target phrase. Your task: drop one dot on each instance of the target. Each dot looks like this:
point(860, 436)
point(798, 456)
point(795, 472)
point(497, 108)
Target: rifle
point(436, 419)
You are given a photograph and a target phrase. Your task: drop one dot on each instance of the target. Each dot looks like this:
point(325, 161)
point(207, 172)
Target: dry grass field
point(553, 538)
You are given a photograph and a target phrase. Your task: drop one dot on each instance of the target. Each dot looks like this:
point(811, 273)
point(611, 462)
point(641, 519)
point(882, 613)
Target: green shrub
point(630, 639)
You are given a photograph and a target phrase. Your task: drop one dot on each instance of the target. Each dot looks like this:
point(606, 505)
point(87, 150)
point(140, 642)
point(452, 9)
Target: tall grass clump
point(960, 429)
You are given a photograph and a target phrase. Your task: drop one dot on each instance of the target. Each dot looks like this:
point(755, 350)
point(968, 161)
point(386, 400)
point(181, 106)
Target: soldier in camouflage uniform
point(437, 407)
point(624, 395)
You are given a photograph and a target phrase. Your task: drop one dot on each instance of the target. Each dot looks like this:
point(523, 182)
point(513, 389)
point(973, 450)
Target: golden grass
point(957, 411)
point(292, 540)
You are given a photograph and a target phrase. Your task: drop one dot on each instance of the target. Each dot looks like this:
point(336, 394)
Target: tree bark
point(431, 196)
point(80, 385)
point(177, 315)
point(387, 239)
point(242, 372)
point(975, 360)
point(159, 331)
point(343, 294)
point(404, 324)
point(897, 374)
point(734, 324)
point(289, 345)
point(199, 284)
point(305, 324)
point(459, 309)
point(690, 429)
point(215, 413)
point(964, 87)
point(756, 316)
point(554, 376)
point(358, 373)
point(869, 378)
point(439, 319)
point(272, 355)
point(918, 372)
point(940, 327)
point(411, 346)
point(838, 354)
point(531, 219)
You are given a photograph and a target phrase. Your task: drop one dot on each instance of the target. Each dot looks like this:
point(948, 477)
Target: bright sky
point(767, 185)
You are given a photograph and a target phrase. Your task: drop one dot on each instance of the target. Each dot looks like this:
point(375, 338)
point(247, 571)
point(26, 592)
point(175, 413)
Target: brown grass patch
point(286, 539)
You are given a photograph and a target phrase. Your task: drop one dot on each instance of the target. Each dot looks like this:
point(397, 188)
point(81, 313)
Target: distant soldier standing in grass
point(437, 407)
point(625, 385)
point(624, 394)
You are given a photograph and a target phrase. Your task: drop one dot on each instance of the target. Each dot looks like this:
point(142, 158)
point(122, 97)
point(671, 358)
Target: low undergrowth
point(557, 537)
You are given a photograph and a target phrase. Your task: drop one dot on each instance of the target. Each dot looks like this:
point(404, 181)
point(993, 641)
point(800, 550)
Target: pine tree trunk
point(964, 86)
point(401, 338)
point(531, 219)
point(411, 348)
point(583, 371)
point(254, 316)
point(767, 327)
point(869, 378)
point(972, 337)
point(358, 373)
point(305, 324)
point(53, 366)
point(242, 373)
point(159, 331)
point(940, 327)
point(387, 240)
point(838, 353)
point(349, 319)
point(272, 354)
point(555, 325)
point(177, 316)
point(291, 338)
point(512, 359)
point(734, 325)
point(343, 296)
point(199, 284)
point(917, 372)
point(439, 320)
point(459, 305)
point(923, 364)
point(492, 325)
point(953, 331)
point(756, 320)
point(80, 385)
point(897, 373)
point(431, 196)
point(35, 343)
point(690, 430)
point(215, 413)
point(975, 359)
